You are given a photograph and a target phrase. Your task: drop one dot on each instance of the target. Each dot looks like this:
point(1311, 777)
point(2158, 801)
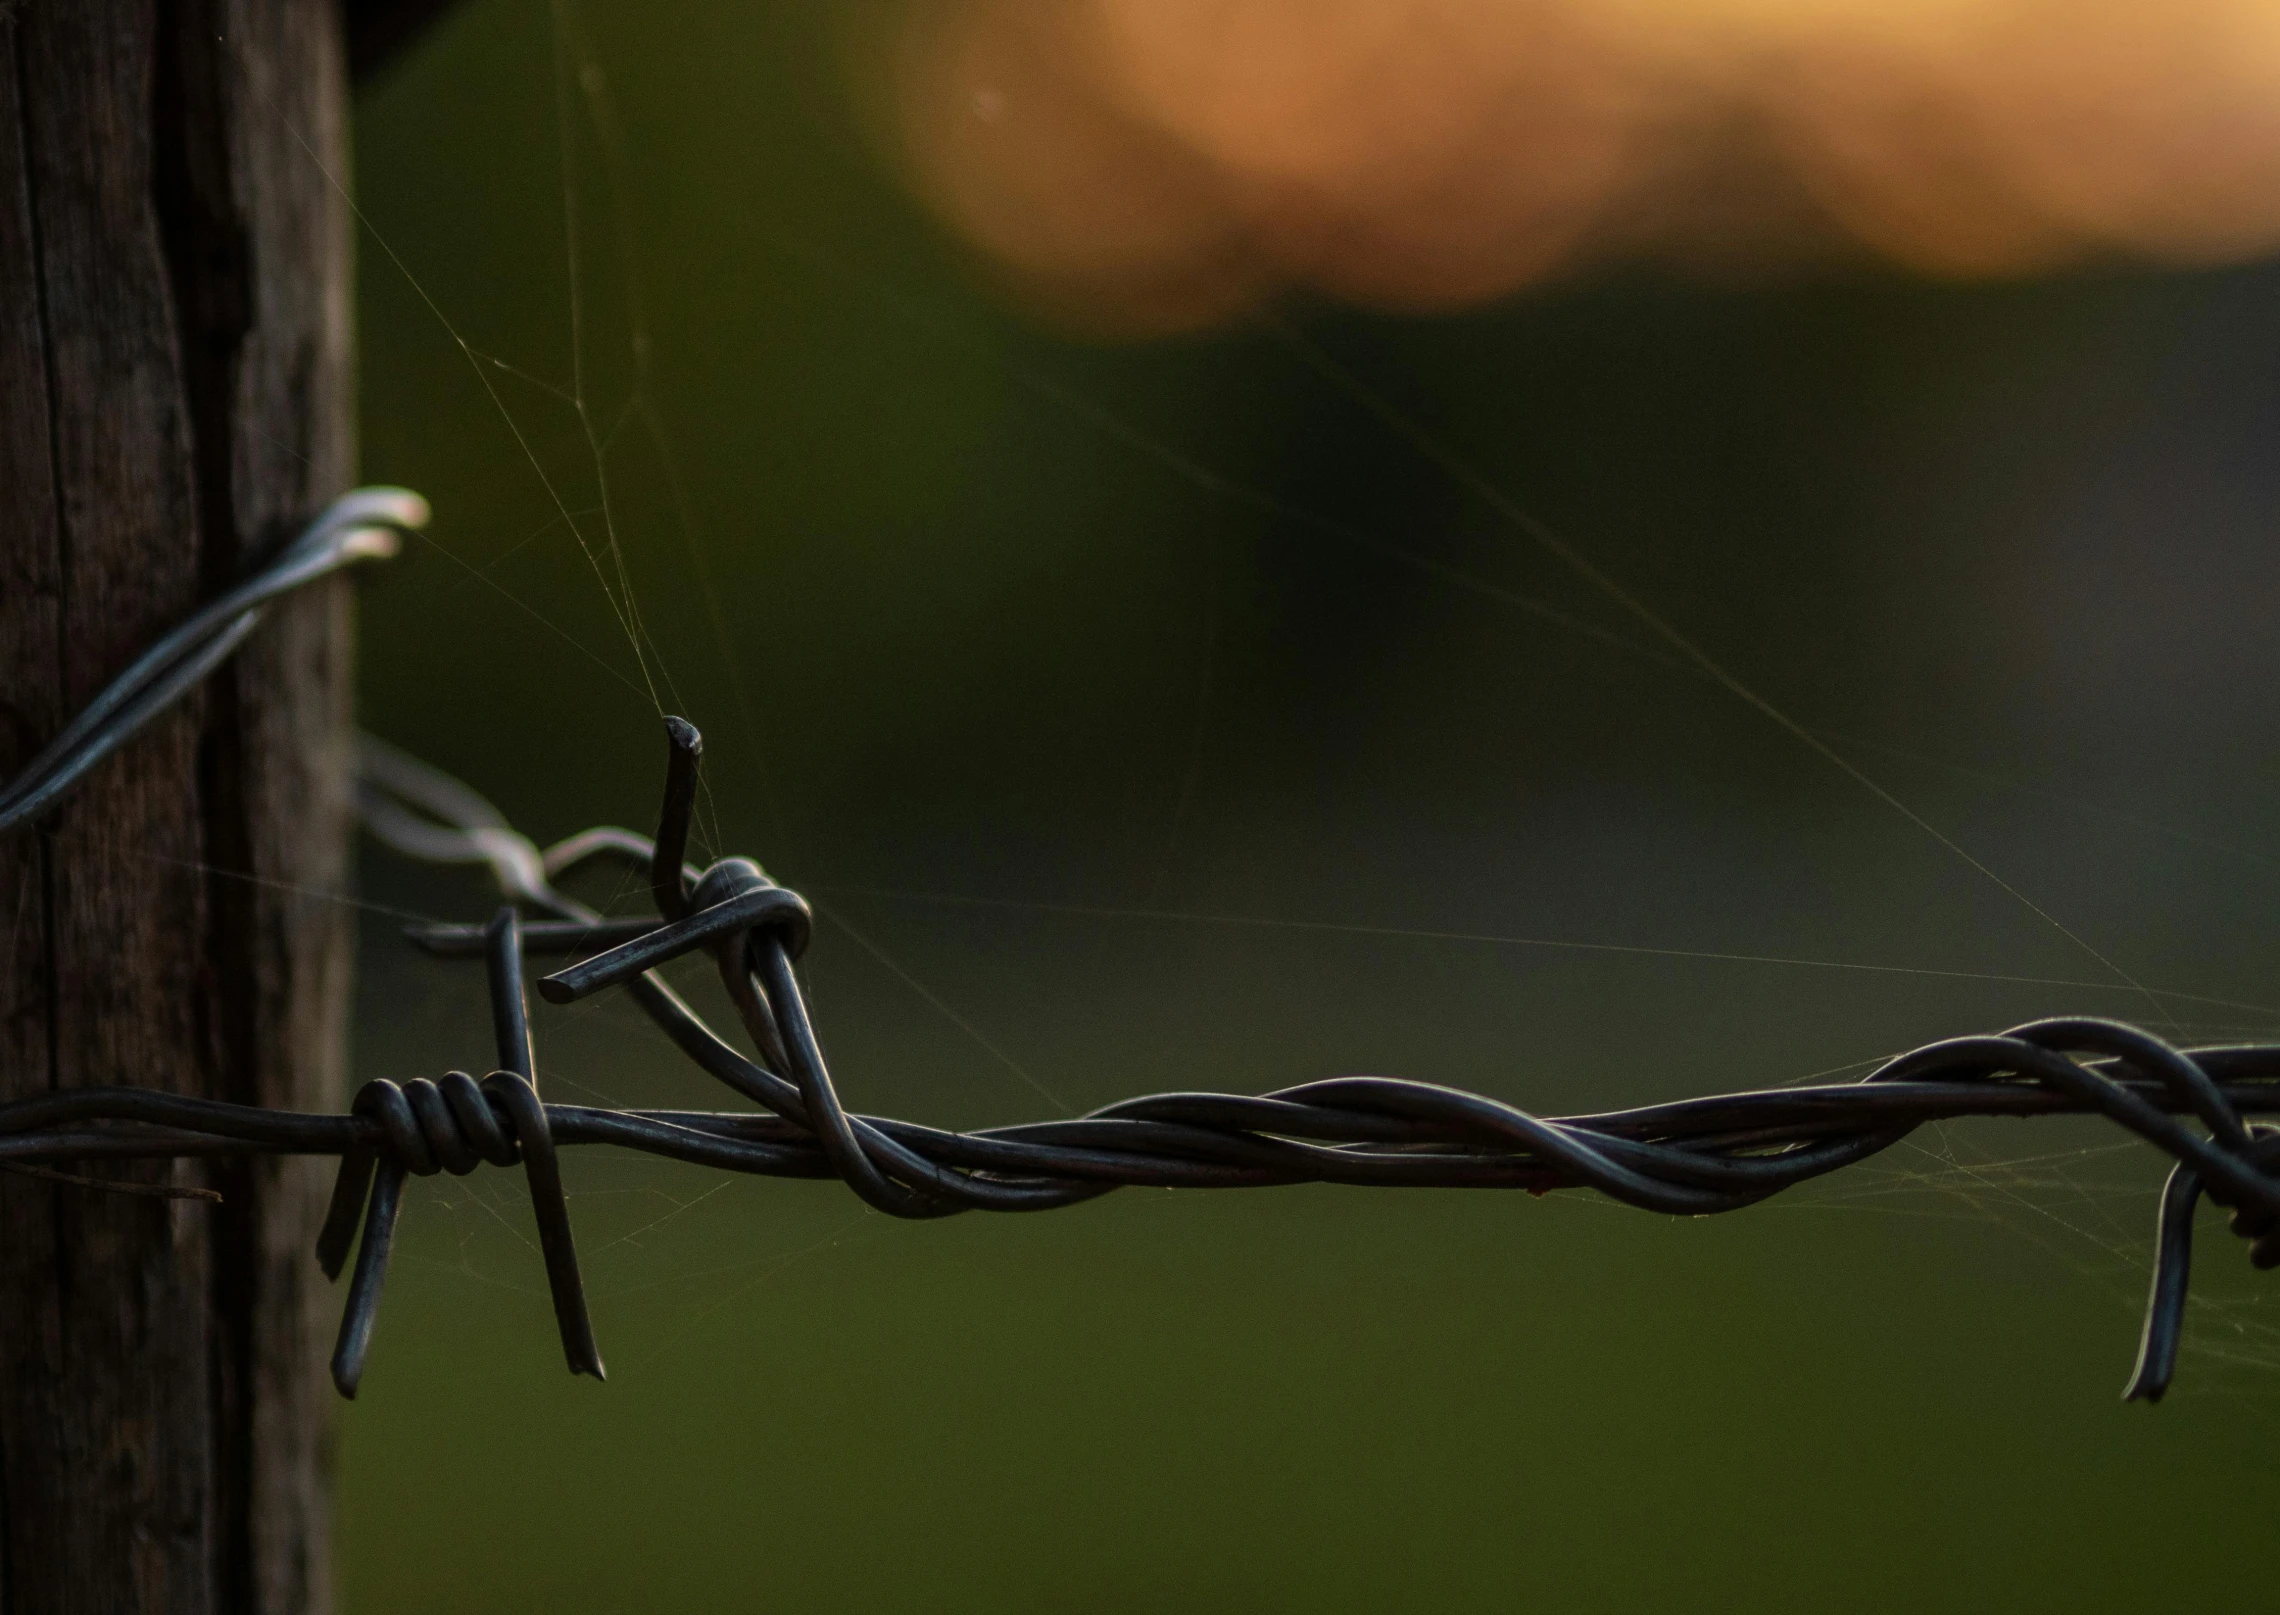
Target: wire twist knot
point(420, 1128)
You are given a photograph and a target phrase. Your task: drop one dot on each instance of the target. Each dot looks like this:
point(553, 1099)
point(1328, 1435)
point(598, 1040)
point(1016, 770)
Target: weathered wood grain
point(174, 395)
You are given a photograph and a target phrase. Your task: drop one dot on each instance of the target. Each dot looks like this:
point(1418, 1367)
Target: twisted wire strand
point(1690, 1157)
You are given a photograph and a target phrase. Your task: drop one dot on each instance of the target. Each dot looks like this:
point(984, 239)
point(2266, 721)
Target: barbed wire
point(1689, 1157)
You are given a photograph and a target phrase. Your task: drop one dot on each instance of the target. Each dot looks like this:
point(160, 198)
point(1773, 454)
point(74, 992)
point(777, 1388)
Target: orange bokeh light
point(1155, 164)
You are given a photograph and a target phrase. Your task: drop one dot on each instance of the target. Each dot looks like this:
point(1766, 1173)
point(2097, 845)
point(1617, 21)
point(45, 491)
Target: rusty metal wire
point(1691, 1157)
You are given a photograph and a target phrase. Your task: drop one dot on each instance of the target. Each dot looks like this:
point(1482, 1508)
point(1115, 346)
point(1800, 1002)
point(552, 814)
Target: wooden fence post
point(175, 394)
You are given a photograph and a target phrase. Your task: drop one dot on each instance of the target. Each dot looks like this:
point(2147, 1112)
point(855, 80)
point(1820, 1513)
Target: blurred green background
point(1159, 716)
